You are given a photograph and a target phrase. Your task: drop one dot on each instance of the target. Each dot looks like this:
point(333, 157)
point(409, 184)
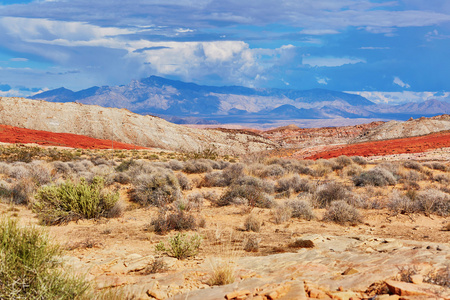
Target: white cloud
point(374, 48)
point(329, 61)
point(322, 80)
point(19, 59)
point(183, 30)
point(402, 97)
point(318, 31)
point(400, 83)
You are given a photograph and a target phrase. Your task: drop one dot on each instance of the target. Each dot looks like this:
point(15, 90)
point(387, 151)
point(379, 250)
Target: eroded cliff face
point(124, 126)
point(410, 128)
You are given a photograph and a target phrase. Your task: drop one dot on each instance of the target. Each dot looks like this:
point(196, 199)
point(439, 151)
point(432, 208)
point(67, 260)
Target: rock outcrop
point(124, 126)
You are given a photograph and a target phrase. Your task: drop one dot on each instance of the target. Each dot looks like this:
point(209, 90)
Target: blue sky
point(387, 50)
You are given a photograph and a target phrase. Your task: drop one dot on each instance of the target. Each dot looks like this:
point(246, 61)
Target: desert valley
point(146, 209)
point(224, 150)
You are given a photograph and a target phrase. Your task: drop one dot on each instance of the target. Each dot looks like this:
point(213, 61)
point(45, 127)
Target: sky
point(389, 51)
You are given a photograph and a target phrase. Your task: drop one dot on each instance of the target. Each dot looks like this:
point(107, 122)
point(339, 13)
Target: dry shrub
point(342, 213)
point(322, 167)
point(215, 179)
point(439, 276)
point(158, 188)
point(433, 201)
point(293, 183)
point(377, 177)
point(122, 178)
point(176, 165)
point(399, 203)
point(275, 171)
point(414, 165)
point(22, 191)
point(281, 213)
point(173, 220)
point(222, 273)
point(157, 266)
point(184, 182)
point(301, 209)
point(251, 243)
point(197, 166)
point(441, 178)
point(359, 160)
point(252, 223)
point(352, 170)
point(253, 195)
point(329, 192)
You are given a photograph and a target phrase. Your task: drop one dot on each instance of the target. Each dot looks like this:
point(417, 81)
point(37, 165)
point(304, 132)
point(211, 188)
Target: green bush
point(29, 269)
point(73, 201)
point(181, 245)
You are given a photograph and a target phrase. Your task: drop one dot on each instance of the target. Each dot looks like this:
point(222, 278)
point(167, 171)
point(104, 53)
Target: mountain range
point(189, 103)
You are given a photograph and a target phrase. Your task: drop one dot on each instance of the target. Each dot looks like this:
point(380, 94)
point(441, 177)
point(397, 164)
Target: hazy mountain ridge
point(180, 101)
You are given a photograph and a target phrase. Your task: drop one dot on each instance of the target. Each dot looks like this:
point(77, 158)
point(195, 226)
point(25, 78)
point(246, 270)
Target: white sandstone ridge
point(410, 128)
point(124, 126)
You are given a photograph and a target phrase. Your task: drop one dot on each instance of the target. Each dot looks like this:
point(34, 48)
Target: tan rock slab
point(406, 289)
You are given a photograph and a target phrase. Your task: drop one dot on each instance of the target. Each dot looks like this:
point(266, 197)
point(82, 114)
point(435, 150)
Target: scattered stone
point(350, 271)
point(299, 243)
point(417, 279)
point(237, 295)
point(317, 294)
point(157, 294)
point(406, 289)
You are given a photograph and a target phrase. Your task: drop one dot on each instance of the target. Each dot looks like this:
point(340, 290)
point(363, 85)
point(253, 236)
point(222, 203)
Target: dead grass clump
point(342, 213)
point(252, 223)
point(215, 179)
point(344, 161)
point(405, 273)
point(251, 243)
point(157, 266)
point(322, 167)
point(439, 276)
point(376, 177)
point(281, 213)
point(222, 274)
point(352, 170)
point(301, 209)
point(329, 192)
point(40, 172)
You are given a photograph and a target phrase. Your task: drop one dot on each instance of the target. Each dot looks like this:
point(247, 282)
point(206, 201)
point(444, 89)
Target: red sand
point(388, 147)
point(10, 134)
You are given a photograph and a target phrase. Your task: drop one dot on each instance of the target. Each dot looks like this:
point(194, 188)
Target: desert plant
point(29, 268)
point(411, 164)
point(439, 276)
point(222, 273)
point(184, 182)
point(281, 213)
point(322, 167)
point(181, 245)
point(377, 177)
point(71, 201)
point(342, 213)
point(252, 223)
point(433, 201)
point(329, 192)
point(359, 160)
point(301, 209)
point(274, 170)
point(197, 166)
point(399, 203)
point(173, 220)
point(157, 188)
point(176, 165)
point(251, 243)
point(294, 183)
point(22, 191)
point(254, 195)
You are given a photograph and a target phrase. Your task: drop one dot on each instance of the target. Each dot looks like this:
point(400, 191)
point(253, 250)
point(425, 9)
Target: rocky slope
point(410, 128)
point(124, 126)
